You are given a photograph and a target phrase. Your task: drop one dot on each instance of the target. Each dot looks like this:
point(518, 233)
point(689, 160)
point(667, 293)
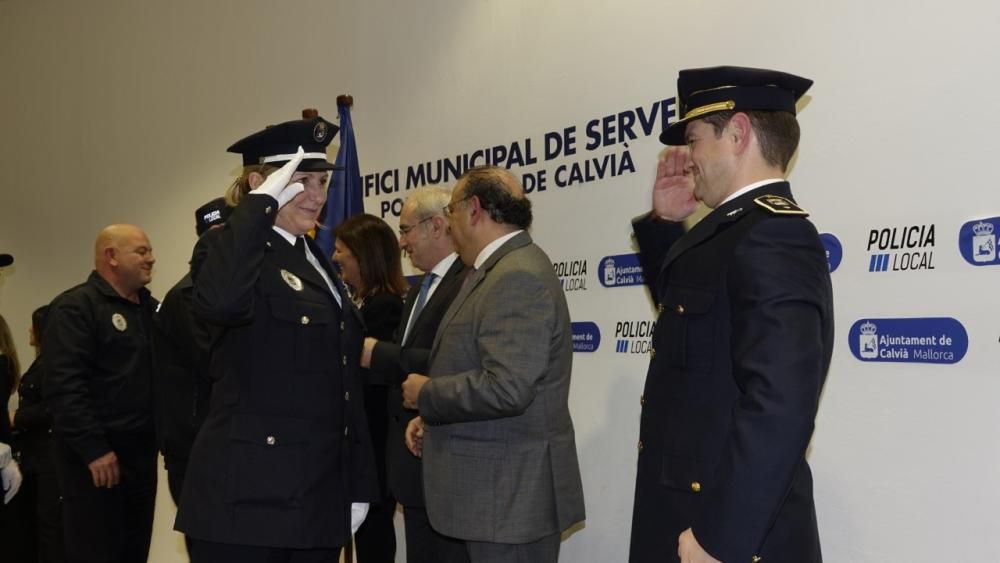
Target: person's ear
point(255, 179)
point(476, 210)
point(740, 131)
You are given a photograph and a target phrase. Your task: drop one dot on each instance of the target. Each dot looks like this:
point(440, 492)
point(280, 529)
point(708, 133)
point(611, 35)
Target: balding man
point(98, 390)
point(499, 452)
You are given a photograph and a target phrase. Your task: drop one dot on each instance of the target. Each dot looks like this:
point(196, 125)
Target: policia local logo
point(572, 274)
point(901, 248)
point(634, 337)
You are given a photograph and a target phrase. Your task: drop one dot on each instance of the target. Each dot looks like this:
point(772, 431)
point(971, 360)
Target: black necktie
point(300, 244)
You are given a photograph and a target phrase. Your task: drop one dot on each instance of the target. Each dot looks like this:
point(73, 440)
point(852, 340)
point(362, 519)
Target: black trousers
point(115, 524)
point(544, 550)
point(31, 526)
point(375, 541)
point(212, 552)
point(424, 545)
point(176, 468)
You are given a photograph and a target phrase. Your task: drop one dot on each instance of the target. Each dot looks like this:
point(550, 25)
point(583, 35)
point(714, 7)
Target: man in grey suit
point(499, 453)
point(424, 236)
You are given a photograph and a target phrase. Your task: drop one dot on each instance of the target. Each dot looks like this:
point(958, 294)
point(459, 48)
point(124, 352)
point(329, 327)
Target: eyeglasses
point(405, 229)
point(451, 207)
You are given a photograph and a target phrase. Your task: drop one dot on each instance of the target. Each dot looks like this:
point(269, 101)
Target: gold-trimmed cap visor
point(704, 91)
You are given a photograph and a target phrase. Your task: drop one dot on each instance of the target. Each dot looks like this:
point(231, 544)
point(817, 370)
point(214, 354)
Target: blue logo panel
point(620, 270)
point(932, 340)
point(586, 337)
point(834, 250)
point(977, 241)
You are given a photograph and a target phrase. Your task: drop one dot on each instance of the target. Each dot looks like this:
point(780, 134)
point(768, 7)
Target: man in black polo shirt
point(98, 388)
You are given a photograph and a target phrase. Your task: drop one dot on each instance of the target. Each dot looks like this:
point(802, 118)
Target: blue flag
point(343, 197)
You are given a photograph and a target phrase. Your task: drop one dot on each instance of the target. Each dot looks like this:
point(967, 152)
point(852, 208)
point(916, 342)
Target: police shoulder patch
point(780, 205)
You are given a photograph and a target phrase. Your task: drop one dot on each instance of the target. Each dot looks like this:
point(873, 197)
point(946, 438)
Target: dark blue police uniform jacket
point(740, 352)
point(285, 449)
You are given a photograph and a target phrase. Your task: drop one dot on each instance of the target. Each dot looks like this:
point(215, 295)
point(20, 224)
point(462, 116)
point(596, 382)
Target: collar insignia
point(780, 205)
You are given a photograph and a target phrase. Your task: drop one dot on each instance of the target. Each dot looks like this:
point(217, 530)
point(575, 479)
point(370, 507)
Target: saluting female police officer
point(282, 468)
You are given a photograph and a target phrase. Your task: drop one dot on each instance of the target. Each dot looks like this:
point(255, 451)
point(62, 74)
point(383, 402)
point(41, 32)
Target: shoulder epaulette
point(780, 205)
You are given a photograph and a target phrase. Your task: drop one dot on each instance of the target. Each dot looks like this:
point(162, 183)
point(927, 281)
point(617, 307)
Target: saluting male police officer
point(744, 335)
point(282, 469)
point(97, 388)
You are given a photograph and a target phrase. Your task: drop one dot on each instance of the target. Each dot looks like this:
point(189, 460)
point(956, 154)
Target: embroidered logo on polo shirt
point(119, 322)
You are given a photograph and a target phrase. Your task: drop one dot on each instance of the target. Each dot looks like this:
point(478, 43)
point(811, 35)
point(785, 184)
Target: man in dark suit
point(744, 334)
point(499, 450)
point(424, 236)
point(282, 468)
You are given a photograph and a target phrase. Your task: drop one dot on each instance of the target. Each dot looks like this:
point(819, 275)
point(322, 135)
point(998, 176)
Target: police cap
point(704, 91)
point(215, 212)
point(277, 144)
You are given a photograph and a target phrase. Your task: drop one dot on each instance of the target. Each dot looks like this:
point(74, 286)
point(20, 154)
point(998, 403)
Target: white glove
point(11, 477)
point(359, 511)
point(276, 185)
point(5, 455)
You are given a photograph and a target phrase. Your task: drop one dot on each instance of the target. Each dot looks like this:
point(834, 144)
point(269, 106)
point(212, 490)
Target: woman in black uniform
point(282, 469)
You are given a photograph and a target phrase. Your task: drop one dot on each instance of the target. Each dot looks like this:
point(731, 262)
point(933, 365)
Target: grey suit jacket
point(499, 457)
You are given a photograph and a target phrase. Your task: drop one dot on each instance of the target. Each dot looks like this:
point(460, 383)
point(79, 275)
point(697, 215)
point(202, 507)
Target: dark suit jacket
point(285, 448)
point(740, 353)
point(381, 315)
point(394, 361)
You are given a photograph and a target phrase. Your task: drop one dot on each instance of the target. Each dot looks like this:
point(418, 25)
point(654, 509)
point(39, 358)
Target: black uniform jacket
point(98, 367)
point(181, 378)
point(740, 352)
point(394, 361)
point(7, 376)
point(285, 448)
point(32, 420)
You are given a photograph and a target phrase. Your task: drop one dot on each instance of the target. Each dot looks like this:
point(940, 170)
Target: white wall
point(121, 111)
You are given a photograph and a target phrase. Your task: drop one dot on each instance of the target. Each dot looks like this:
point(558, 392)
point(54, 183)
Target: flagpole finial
point(345, 100)
point(310, 113)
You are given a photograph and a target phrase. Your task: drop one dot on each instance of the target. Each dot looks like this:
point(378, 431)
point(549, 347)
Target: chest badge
point(119, 322)
point(292, 280)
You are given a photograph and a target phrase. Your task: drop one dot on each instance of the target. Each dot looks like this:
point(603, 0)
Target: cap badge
point(292, 280)
point(320, 131)
point(119, 322)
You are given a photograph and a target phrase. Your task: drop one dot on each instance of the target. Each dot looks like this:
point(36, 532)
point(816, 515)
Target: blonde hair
point(7, 349)
point(241, 186)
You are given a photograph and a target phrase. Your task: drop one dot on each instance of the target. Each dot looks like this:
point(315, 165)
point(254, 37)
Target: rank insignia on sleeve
point(780, 205)
point(119, 322)
point(292, 280)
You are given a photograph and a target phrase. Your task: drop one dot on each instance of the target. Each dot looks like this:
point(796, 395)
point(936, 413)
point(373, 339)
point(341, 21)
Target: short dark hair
point(777, 133)
point(376, 249)
point(492, 185)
